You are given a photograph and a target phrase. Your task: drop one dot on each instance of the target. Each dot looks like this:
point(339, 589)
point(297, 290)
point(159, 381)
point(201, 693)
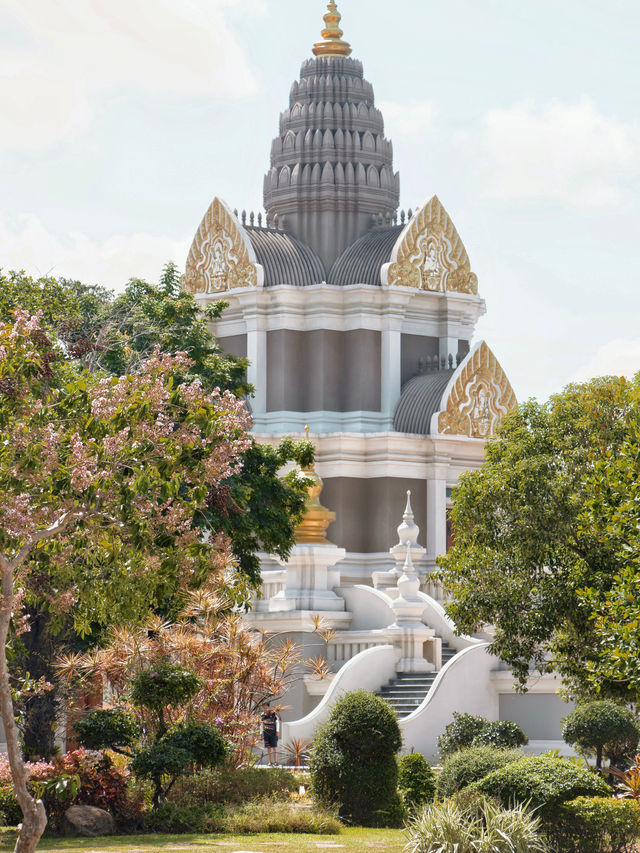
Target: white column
point(257, 371)
point(391, 366)
point(436, 516)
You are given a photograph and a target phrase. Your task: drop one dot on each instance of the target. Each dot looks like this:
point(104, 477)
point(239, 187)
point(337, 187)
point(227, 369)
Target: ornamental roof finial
point(312, 530)
point(333, 45)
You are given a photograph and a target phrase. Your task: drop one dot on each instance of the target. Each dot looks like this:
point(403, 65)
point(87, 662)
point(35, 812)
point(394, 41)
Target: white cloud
point(558, 152)
point(26, 244)
point(619, 357)
point(72, 50)
point(409, 120)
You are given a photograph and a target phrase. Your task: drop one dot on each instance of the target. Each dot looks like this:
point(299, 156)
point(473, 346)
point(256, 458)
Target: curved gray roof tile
point(285, 259)
point(419, 400)
point(361, 262)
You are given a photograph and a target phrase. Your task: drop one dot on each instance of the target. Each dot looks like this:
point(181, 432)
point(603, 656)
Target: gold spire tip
point(333, 45)
point(306, 431)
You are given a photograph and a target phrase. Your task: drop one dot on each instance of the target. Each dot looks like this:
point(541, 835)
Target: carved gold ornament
point(481, 395)
point(429, 255)
point(221, 255)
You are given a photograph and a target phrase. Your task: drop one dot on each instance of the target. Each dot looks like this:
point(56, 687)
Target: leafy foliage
point(163, 685)
point(628, 784)
point(603, 729)
point(460, 732)
point(593, 824)
point(353, 763)
point(416, 781)
point(466, 766)
point(470, 730)
point(547, 539)
point(107, 728)
point(224, 786)
point(542, 781)
point(501, 733)
point(478, 824)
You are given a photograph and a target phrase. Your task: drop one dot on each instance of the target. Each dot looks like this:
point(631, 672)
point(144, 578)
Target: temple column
point(391, 356)
point(436, 514)
point(257, 370)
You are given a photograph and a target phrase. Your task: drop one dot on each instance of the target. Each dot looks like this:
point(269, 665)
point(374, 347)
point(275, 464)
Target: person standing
point(270, 722)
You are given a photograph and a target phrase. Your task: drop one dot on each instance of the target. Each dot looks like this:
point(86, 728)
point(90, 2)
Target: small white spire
point(408, 531)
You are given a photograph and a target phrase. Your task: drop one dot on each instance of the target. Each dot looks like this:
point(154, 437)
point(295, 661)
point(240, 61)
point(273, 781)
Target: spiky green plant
point(479, 825)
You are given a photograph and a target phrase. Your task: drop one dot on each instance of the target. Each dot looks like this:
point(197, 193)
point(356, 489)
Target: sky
point(120, 120)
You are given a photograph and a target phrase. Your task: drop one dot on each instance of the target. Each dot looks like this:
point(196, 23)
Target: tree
point(545, 536)
point(103, 486)
point(603, 729)
point(255, 507)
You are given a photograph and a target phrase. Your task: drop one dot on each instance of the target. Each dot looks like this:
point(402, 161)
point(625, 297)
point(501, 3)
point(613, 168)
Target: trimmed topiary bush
point(416, 781)
point(593, 824)
point(543, 781)
point(470, 765)
point(603, 728)
point(353, 761)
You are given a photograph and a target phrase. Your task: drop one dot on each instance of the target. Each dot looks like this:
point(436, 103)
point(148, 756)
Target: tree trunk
point(34, 815)
point(599, 757)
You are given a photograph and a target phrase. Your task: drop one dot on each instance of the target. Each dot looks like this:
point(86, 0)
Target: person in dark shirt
point(269, 724)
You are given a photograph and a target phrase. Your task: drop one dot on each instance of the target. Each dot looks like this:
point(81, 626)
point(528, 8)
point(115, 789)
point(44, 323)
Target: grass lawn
point(388, 840)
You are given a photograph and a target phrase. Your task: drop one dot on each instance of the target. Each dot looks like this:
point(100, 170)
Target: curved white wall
point(463, 685)
point(369, 670)
point(434, 615)
point(370, 608)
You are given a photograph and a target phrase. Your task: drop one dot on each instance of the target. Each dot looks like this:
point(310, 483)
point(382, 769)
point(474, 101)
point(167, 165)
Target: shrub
point(229, 785)
point(470, 765)
point(269, 816)
point(542, 781)
point(469, 730)
point(353, 762)
point(603, 728)
point(460, 732)
point(501, 733)
point(257, 817)
point(593, 824)
point(416, 781)
point(476, 825)
point(9, 806)
point(107, 728)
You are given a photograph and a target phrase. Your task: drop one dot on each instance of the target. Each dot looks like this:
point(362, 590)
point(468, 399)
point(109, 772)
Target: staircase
point(407, 691)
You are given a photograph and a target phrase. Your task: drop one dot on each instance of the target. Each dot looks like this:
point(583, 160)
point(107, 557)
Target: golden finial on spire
point(333, 45)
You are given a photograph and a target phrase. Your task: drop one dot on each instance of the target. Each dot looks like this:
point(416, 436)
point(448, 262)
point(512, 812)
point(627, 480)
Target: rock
point(87, 821)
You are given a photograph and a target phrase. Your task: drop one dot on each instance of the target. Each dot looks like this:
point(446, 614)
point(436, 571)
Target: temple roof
point(420, 400)
point(285, 259)
point(361, 262)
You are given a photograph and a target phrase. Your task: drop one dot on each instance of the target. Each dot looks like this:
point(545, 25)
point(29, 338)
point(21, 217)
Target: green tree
point(103, 486)
point(603, 729)
point(545, 536)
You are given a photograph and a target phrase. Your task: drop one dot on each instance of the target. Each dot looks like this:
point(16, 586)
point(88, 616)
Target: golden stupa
point(312, 530)
point(333, 45)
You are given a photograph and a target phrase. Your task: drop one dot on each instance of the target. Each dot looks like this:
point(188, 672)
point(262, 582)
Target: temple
point(358, 320)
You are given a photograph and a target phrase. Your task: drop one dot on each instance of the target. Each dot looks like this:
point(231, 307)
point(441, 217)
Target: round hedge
point(543, 781)
point(416, 781)
point(470, 765)
point(353, 761)
point(603, 728)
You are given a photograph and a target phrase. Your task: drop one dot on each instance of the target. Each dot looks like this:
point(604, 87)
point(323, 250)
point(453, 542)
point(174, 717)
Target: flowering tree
point(103, 487)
